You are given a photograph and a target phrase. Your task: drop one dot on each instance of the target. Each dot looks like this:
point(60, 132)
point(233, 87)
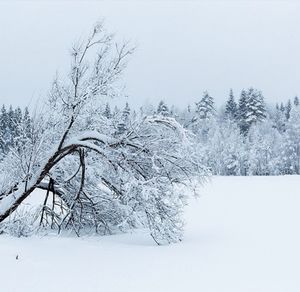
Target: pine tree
point(107, 111)
point(296, 101)
point(242, 113)
point(124, 120)
point(17, 120)
point(205, 107)
point(231, 107)
point(163, 109)
point(3, 130)
point(11, 128)
point(256, 111)
point(127, 110)
point(279, 120)
point(288, 109)
point(27, 122)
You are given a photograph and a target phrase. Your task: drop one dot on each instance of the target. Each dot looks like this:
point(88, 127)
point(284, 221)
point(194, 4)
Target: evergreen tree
point(204, 118)
point(205, 107)
point(231, 111)
point(296, 101)
point(163, 109)
point(251, 109)
point(28, 124)
point(10, 129)
point(255, 105)
point(107, 111)
point(17, 120)
point(279, 120)
point(124, 120)
point(242, 113)
point(3, 129)
point(126, 110)
point(288, 109)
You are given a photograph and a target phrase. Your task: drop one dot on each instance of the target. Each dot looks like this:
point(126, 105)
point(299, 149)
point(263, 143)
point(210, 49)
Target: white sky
point(184, 47)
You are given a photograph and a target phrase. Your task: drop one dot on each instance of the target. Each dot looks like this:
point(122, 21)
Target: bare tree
point(99, 178)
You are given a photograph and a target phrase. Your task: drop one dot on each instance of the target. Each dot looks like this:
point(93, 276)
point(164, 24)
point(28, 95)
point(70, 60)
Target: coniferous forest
point(244, 136)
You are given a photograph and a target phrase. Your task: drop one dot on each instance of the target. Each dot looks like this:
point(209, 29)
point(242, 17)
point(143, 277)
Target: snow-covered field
point(242, 235)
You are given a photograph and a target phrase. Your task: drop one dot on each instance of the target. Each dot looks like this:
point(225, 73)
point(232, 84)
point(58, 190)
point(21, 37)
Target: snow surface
point(242, 234)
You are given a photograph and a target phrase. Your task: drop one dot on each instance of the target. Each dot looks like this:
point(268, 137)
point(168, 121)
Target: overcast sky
point(184, 47)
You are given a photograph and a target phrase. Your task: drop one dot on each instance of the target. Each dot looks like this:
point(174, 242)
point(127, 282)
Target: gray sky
point(184, 47)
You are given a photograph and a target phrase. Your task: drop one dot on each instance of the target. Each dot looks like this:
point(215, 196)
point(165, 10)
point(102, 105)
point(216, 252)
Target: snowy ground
point(241, 235)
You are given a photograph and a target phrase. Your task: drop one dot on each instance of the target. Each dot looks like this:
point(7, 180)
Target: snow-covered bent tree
point(100, 176)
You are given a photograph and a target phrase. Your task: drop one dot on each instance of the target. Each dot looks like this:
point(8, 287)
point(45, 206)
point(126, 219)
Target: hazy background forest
point(245, 136)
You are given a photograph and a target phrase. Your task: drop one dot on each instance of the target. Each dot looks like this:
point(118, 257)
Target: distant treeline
point(244, 137)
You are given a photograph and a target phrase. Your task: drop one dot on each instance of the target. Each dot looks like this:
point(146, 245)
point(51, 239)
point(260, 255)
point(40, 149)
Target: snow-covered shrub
point(21, 223)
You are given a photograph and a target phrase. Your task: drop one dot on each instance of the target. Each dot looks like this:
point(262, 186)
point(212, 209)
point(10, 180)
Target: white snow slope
point(241, 235)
